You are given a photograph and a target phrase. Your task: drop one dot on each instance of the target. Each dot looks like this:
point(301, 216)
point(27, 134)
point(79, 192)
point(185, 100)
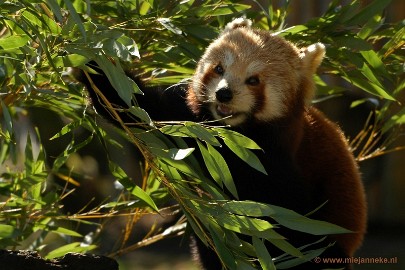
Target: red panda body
point(262, 86)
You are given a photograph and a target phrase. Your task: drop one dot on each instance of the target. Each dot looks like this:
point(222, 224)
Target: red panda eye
point(219, 70)
point(253, 81)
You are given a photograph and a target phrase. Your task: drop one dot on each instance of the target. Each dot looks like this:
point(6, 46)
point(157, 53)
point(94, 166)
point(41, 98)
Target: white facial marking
point(222, 84)
point(229, 59)
point(274, 107)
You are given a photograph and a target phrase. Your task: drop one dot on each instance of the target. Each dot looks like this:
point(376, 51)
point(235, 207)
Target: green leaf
point(202, 133)
point(168, 24)
point(237, 138)
point(193, 130)
point(285, 217)
point(218, 236)
point(42, 22)
point(121, 175)
point(292, 30)
point(173, 153)
point(180, 165)
point(376, 7)
point(397, 119)
point(370, 27)
point(7, 118)
point(76, 18)
point(62, 230)
point(247, 225)
point(374, 61)
point(71, 60)
point(124, 86)
point(135, 190)
point(307, 256)
point(6, 231)
point(221, 167)
point(368, 73)
point(141, 114)
point(368, 87)
point(266, 262)
point(56, 9)
point(72, 247)
point(218, 9)
point(286, 247)
point(246, 155)
point(14, 41)
point(211, 165)
point(71, 148)
point(141, 194)
point(67, 129)
point(241, 265)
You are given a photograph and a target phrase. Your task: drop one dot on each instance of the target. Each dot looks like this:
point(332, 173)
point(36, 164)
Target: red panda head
point(249, 73)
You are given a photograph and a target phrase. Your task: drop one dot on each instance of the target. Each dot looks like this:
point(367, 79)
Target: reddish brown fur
point(258, 92)
point(316, 145)
point(322, 147)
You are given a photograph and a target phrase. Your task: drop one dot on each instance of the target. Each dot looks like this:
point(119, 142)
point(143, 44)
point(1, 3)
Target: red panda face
point(248, 73)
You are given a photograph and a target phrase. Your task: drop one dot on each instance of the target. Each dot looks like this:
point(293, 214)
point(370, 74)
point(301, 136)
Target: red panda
point(261, 86)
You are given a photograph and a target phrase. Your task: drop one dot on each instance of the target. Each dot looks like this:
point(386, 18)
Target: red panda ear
point(238, 23)
point(312, 57)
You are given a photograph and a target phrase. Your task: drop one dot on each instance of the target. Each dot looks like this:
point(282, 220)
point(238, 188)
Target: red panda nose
point(224, 94)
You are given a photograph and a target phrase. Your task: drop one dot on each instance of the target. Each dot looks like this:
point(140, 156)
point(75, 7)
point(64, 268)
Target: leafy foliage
point(40, 40)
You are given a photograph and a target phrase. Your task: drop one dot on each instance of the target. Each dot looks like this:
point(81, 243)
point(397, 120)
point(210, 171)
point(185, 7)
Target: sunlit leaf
point(222, 168)
point(67, 129)
point(72, 247)
point(376, 7)
point(237, 138)
point(285, 217)
point(6, 231)
point(141, 194)
point(263, 255)
point(369, 87)
point(13, 42)
point(76, 18)
point(246, 155)
point(141, 114)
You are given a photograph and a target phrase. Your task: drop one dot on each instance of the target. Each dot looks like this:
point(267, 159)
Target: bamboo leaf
point(7, 118)
point(374, 61)
point(285, 217)
point(369, 87)
point(67, 129)
point(223, 169)
point(237, 138)
point(141, 114)
point(283, 245)
point(124, 86)
point(76, 18)
point(376, 7)
point(202, 133)
point(72, 247)
point(56, 9)
point(246, 155)
point(307, 256)
point(141, 194)
point(225, 254)
point(263, 255)
point(211, 165)
point(135, 190)
point(6, 231)
point(13, 42)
